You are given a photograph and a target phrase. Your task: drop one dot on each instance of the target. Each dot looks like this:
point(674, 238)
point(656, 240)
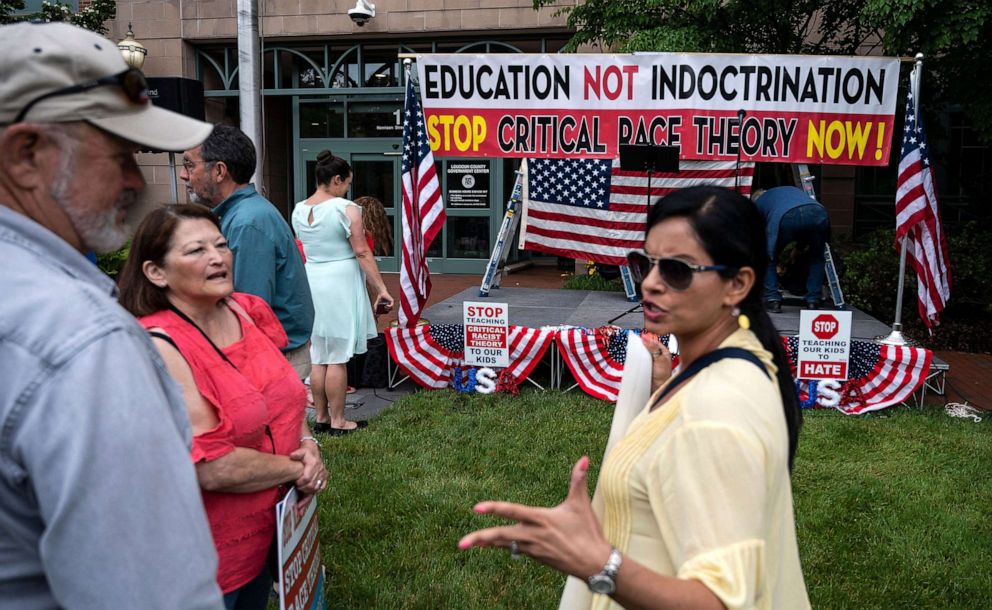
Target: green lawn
point(892, 511)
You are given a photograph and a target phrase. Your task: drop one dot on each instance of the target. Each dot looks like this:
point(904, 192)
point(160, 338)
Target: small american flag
point(593, 210)
point(918, 220)
point(423, 211)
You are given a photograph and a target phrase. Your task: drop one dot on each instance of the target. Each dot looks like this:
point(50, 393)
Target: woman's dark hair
point(732, 231)
point(329, 166)
point(152, 242)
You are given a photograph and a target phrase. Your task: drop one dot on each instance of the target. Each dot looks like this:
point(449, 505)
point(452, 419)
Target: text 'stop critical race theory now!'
point(798, 109)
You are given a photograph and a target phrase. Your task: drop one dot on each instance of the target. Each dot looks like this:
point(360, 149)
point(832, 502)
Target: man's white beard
point(99, 231)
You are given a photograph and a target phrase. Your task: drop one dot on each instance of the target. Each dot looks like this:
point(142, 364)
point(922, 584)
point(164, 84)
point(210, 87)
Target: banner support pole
point(896, 337)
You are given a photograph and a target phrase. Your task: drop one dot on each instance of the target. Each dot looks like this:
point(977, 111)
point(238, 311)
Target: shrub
point(111, 263)
point(871, 269)
point(971, 268)
point(593, 282)
point(870, 274)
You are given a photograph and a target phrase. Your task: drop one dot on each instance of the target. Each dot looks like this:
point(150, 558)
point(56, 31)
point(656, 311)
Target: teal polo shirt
point(267, 262)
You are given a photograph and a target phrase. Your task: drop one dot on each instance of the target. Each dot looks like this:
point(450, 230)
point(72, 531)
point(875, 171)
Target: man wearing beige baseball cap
point(99, 502)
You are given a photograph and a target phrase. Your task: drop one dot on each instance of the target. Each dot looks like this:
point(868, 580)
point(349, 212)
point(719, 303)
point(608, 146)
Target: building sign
point(486, 332)
point(824, 344)
point(468, 185)
point(797, 109)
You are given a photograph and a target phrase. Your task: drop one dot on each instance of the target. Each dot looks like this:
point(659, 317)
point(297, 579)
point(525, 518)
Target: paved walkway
point(969, 378)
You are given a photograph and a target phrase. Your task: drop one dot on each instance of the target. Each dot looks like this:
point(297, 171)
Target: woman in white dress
point(339, 263)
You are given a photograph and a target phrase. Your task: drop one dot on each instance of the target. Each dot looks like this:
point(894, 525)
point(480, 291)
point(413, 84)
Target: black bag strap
point(704, 361)
point(163, 337)
point(190, 321)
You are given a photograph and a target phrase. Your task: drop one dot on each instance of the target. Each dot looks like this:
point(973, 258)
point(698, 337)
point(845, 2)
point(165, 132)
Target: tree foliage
point(954, 35)
point(93, 17)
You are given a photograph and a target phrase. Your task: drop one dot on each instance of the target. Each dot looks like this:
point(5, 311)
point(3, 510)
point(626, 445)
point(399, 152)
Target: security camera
point(363, 11)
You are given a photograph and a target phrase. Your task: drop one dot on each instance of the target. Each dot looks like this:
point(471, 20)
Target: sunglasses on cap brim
point(131, 81)
point(676, 273)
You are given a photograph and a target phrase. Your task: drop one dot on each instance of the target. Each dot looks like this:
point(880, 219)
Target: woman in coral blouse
point(245, 402)
point(693, 508)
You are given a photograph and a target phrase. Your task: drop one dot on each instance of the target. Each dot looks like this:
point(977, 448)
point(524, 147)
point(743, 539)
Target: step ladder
point(804, 180)
point(495, 268)
point(628, 284)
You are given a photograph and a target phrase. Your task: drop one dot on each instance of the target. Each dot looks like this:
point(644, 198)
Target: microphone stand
point(740, 144)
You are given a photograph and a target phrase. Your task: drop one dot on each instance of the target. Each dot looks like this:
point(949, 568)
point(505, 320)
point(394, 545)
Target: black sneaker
point(814, 305)
point(773, 306)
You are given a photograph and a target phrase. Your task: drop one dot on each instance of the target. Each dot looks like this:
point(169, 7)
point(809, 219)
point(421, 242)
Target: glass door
point(378, 175)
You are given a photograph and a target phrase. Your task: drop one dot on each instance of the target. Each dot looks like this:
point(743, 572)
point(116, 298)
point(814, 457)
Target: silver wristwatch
point(605, 581)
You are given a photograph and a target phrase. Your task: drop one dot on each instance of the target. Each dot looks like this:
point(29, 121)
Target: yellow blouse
point(699, 488)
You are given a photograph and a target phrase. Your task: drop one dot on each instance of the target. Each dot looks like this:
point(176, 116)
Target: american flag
point(428, 353)
point(881, 375)
point(423, 211)
point(593, 210)
point(918, 220)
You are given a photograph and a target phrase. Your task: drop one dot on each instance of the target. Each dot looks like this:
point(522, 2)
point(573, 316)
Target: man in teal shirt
point(267, 262)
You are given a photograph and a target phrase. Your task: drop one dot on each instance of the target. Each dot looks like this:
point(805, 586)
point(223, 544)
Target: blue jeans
point(253, 595)
point(808, 226)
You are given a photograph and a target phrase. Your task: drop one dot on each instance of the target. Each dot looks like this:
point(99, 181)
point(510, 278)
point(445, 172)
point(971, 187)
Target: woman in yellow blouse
point(694, 503)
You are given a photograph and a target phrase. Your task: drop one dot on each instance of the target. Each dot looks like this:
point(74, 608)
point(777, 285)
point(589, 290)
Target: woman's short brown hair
point(152, 242)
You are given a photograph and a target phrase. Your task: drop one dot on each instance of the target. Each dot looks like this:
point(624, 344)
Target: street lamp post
point(134, 56)
point(133, 51)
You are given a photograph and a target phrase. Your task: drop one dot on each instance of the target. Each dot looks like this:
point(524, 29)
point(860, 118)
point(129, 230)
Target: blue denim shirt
point(99, 502)
point(774, 203)
point(267, 262)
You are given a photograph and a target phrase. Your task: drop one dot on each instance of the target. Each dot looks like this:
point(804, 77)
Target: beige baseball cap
point(38, 59)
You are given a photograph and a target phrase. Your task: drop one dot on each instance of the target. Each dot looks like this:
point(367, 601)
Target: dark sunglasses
point(131, 81)
point(677, 274)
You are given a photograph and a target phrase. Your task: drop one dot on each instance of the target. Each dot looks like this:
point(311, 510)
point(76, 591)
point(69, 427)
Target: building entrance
point(472, 191)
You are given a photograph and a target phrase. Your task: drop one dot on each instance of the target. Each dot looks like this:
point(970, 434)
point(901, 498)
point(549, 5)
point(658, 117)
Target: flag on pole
point(918, 219)
point(591, 209)
point(423, 210)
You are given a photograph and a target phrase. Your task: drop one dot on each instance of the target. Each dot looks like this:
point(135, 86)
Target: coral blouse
point(260, 405)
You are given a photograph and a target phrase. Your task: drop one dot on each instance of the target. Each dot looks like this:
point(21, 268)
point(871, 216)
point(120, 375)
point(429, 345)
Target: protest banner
point(486, 331)
point(824, 345)
point(797, 109)
point(301, 575)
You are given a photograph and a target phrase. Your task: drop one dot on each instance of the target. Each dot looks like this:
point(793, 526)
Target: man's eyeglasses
point(188, 164)
point(131, 81)
point(677, 274)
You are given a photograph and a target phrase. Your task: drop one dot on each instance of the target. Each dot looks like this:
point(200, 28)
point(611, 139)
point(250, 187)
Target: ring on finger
point(514, 550)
